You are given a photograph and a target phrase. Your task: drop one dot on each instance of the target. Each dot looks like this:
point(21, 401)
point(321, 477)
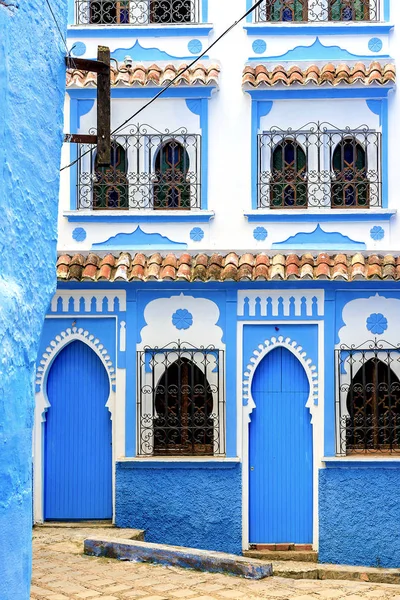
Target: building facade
point(31, 67)
point(220, 364)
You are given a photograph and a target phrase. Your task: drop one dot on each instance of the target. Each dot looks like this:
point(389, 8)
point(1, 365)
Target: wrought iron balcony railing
point(368, 397)
point(318, 10)
point(180, 400)
point(137, 12)
point(149, 170)
point(319, 166)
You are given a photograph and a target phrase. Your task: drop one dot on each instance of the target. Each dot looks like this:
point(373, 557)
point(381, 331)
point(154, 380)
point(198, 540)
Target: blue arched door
point(78, 453)
point(280, 453)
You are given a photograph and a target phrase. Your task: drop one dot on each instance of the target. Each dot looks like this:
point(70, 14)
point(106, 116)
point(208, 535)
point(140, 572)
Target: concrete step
point(286, 555)
point(189, 558)
point(303, 570)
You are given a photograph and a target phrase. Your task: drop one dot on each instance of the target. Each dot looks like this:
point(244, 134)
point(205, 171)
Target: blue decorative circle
point(260, 234)
point(78, 49)
point(377, 233)
point(79, 234)
point(195, 46)
point(259, 46)
point(196, 234)
point(182, 319)
point(375, 44)
point(377, 323)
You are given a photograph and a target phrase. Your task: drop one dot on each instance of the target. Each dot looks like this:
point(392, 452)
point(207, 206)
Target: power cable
point(164, 89)
point(59, 31)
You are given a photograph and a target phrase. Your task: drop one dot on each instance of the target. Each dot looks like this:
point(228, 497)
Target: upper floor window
point(319, 166)
point(149, 170)
point(137, 12)
point(368, 403)
point(318, 10)
point(181, 408)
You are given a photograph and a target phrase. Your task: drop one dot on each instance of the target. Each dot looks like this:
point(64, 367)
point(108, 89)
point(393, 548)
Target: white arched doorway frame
point(314, 404)
point(42, 404)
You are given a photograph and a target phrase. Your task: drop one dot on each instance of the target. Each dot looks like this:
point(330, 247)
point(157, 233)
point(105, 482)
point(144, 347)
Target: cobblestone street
point(62, 572)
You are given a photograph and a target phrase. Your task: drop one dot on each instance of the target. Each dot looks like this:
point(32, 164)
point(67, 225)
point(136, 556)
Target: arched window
point(373, 405)
point(184, 420)
point(110, 188)
point(349, 10)
point(171, 11)
point(289, 172)
point(283, 10)
point(350, 187)
point(172, 188)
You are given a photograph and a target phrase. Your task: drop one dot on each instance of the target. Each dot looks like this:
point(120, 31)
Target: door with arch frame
point(77, 437)
point(280, 452)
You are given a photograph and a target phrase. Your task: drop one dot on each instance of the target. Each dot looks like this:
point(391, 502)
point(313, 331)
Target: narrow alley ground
point(62, 572)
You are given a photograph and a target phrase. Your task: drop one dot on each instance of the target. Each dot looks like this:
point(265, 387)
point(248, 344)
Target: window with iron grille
point(317, 10)
point(368, 398)
point(180, 401)
point(137, 12)
point(319, 166)
point(149, 170)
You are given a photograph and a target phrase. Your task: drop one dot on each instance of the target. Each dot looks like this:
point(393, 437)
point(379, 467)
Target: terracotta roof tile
point(375, 73)
point(140, 75)
point(232, 267)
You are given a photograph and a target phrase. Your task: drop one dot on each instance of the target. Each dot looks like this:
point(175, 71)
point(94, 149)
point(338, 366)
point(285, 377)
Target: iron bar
point(137, 12)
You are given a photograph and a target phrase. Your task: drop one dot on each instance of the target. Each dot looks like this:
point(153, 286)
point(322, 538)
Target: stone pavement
point(62, 572)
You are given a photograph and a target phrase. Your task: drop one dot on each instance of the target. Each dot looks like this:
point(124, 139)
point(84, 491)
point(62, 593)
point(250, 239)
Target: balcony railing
point(137, 12)
point(319, 166)
point(317, 10)
point(149, 170)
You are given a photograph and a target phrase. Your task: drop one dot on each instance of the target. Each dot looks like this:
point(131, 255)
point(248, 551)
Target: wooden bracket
point(101, 66)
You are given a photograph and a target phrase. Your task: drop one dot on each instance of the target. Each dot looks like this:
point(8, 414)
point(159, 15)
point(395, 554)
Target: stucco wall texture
point(32, 85)
point(359, 512)
point(193, 507)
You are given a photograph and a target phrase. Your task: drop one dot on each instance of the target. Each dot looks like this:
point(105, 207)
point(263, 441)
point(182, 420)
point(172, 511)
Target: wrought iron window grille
point(137, 12)
point(149, 170)
point(319, 166)
point(368, 398)
point(180, 401)
point(274, 11)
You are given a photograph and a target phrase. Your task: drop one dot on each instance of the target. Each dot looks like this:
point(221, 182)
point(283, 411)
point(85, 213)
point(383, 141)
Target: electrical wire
point(60, 32)
point(164, 89)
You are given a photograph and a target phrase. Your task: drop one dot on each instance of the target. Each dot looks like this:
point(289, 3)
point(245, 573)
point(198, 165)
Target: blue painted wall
point(193, 505)
point(32, 84)
point(359, 511)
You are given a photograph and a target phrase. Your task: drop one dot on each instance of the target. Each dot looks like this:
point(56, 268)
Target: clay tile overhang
point(358, 73)
point(227, 267)
point(140, 75)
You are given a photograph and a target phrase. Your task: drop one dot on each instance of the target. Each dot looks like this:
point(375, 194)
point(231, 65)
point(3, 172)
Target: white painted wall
point(229, 167)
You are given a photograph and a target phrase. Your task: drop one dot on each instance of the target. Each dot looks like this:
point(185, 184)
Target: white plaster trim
point(116, 397)
point(88, 295)
point(180, 459)
point(261, 352)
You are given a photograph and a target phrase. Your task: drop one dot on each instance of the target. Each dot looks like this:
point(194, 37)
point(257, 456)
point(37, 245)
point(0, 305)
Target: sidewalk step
point(190, 558)
point(286, 555)
point(77, 524)
point(302, 570)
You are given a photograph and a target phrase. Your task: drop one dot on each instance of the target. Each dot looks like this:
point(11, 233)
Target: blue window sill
point(347, 28)
point(172, 462)
point(124, 216)
point(362, 462)
point(319, 216)
point(110, 31)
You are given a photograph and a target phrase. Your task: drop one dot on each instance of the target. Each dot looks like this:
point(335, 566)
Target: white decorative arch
point(260, 353)
point(52, 350)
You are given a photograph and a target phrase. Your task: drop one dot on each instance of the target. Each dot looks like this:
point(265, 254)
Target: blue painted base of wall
point(188, 506)
point(360, 516)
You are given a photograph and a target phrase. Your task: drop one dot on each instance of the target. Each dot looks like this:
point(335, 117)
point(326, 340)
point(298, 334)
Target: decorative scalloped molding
point(301, 355)
point(57, 344)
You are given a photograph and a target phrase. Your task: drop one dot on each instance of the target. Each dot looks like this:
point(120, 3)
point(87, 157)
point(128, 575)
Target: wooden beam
point(84, 64)
point(78, 138)
point(104, 109)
